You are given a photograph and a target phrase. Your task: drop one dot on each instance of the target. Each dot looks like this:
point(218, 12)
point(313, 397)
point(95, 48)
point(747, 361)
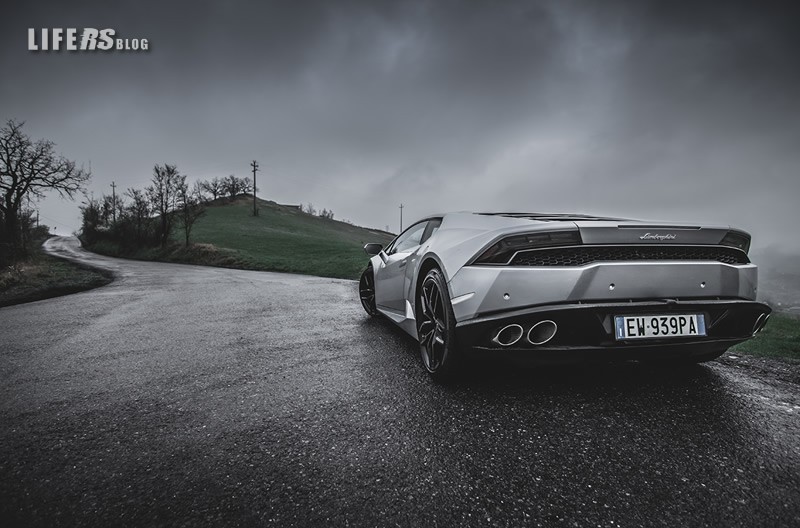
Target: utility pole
point(401, 217)
point(254, 164)
point(114, 201)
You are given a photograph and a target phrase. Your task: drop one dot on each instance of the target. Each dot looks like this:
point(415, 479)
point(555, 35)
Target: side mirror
point(373, 249)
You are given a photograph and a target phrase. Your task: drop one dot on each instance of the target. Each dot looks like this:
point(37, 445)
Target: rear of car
point(567, 287)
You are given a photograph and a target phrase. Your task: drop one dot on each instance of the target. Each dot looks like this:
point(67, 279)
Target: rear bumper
point(586, 330)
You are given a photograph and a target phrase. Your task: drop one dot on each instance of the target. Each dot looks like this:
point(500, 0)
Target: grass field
point(42, 276)
point(279, 239)
point(780, 338)
point(285, 239)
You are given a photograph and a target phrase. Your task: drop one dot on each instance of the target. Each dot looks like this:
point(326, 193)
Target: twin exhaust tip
point(542, 332)
point(508, 335)
point(760, 323)
point(539, 334)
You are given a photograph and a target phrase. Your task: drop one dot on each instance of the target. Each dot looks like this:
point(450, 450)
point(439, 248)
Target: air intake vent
point(581, 256)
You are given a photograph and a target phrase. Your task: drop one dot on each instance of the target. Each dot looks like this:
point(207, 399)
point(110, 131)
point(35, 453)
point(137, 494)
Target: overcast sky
point(663, 110)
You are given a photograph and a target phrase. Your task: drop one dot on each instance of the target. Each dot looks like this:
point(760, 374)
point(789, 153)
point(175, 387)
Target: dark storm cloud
point(662, 109)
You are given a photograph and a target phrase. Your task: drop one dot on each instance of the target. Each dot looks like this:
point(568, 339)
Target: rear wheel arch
point(428, 264)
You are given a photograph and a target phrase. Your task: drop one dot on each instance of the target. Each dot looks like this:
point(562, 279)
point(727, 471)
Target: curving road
point(184, 395)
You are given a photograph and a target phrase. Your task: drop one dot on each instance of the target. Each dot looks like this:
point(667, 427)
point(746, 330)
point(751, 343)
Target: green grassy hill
point(280, 238)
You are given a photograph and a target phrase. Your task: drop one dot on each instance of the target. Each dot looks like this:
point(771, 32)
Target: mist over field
point(661, 110)
point(778, 279)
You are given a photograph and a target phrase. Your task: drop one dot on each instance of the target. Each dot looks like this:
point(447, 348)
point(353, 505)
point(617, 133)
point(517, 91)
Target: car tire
point(436, 325)
point(366, 291)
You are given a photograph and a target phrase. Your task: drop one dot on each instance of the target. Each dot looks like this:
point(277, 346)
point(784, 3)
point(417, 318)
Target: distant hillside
point(282, 238)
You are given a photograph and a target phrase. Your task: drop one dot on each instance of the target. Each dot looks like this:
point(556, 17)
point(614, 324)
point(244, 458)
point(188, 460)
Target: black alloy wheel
point(436, 327)
point(366, 290)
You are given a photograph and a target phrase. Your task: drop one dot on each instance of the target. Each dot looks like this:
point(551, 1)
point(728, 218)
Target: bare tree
point(107, 210)
point(198, 191)
point(190, 209)
point(163, 194)
point(245, 185)
point(215, 187)
point(30, 168)
point(91, 213)
point(139, 212)
point(233, 186)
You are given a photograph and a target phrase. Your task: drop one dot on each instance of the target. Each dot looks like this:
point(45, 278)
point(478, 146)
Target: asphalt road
point(182, 395)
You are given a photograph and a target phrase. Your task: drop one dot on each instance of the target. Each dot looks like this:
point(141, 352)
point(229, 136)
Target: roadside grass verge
point(197, 253)
point(42, 276)
point(779, 339)
point(279, 239)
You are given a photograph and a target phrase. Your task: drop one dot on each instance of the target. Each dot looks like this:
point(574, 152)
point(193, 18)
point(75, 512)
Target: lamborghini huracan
point(564, 287)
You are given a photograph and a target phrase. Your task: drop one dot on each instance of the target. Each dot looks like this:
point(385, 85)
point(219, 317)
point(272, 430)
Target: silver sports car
point(557, 287)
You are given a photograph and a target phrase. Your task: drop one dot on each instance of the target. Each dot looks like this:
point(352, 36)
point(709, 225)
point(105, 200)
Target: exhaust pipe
point(760, 323)
point(508, 335)
point(542, 332)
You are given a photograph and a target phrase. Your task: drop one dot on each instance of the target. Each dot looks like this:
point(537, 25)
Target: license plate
point(659, 326)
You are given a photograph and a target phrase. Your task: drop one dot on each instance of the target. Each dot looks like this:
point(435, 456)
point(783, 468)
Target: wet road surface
point(183, 395)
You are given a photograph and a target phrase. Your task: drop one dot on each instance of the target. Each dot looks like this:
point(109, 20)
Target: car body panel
point(631, 280)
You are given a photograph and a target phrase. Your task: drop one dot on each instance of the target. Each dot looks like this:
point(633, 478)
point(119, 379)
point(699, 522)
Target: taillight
point(737, 239)
point(502, 251)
